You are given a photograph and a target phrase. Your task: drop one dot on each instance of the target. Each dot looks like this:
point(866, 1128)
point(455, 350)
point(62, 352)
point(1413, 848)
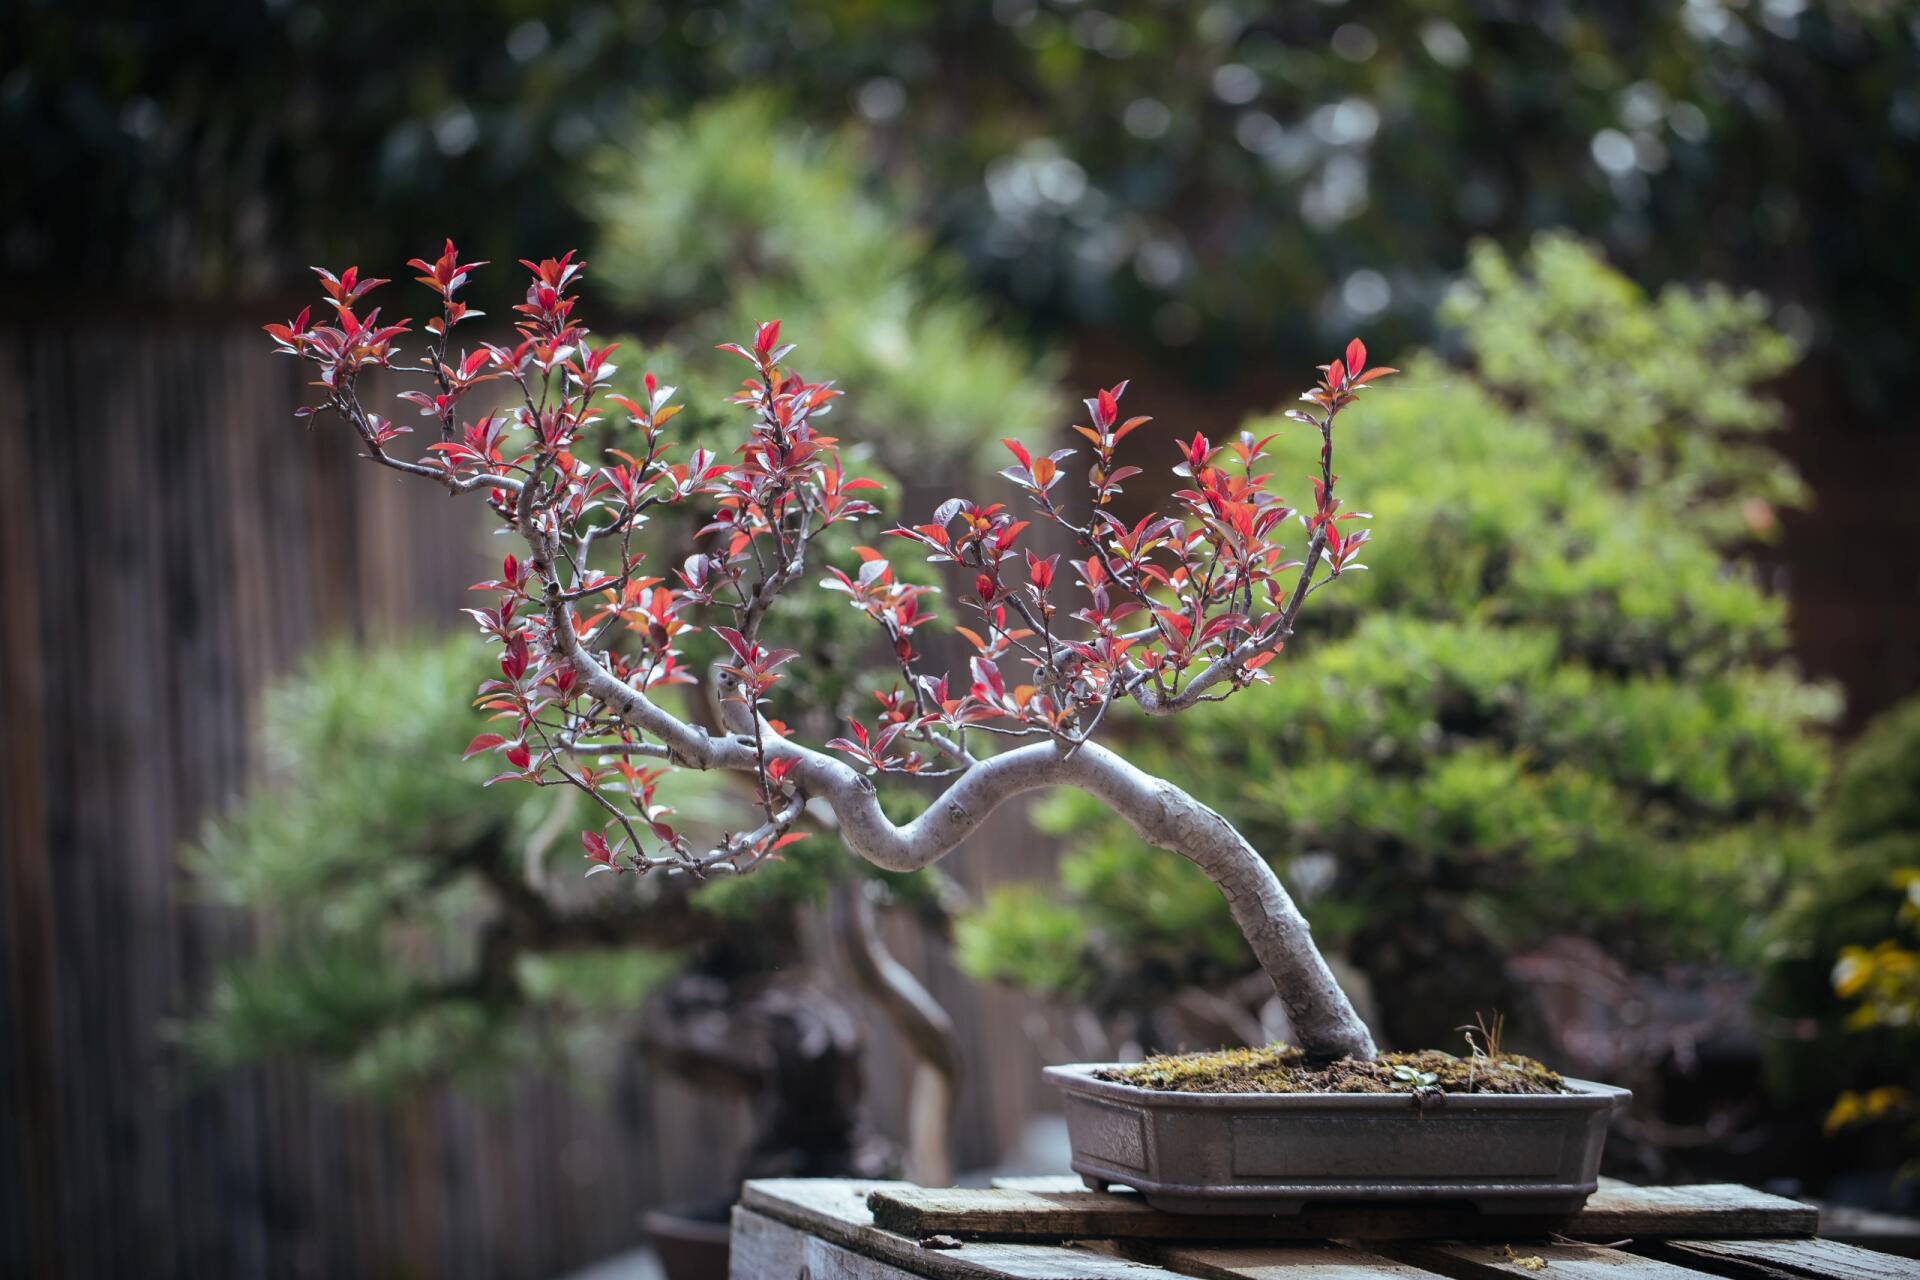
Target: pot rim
point(1582, 1095)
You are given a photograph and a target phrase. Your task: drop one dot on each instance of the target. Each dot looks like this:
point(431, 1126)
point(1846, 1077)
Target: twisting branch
point(585, 646)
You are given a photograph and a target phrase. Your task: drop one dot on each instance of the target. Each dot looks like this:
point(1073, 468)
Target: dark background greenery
point(1100, 163)
point(1201, 192)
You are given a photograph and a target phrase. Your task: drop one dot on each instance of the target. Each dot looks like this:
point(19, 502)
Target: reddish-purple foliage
point(1168, 611)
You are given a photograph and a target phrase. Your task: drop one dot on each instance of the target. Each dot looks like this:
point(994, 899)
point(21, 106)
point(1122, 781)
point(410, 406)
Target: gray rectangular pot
point(1275, 1152)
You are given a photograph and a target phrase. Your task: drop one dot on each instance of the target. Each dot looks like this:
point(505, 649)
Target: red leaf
point(485, 742)
point(736, 642)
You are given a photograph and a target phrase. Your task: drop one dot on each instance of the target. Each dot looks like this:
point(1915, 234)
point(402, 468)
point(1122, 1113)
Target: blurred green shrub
point(401, 932)
point(736, 214)
point(1174, 168)
point(415, 925)
point(1554, 704)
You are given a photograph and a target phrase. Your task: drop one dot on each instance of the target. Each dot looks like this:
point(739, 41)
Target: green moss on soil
point(1283, 1069)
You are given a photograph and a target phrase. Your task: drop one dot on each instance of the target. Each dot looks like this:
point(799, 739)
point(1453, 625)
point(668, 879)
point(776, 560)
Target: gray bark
point(1162, 814)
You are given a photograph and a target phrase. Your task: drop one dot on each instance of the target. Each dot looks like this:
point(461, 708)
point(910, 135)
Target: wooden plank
point(1886, 1232)
point(1328, 1261)
point(836, 1212)
point(1613, 1213)
point(1544, 1261)
point(1768, 1259)
point(763, 1249)
point(1040, 1182)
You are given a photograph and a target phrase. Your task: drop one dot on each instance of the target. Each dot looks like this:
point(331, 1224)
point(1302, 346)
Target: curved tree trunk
point(1164, 816)
point(1161, 813)
point(1323, 1018)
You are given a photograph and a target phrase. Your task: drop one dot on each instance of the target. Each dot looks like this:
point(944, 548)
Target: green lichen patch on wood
point(1284, 1069)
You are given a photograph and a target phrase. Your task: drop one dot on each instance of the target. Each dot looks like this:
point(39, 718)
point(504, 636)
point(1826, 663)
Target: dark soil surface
point(1282, 1069)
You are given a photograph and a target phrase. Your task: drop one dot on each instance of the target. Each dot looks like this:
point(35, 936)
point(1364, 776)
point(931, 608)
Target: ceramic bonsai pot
point(1276, 1152)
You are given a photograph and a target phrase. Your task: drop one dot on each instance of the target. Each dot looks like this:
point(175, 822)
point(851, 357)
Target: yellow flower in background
point(1885, 980)
point(1852, 971)
point(1852, 1108)
point(1907, 880)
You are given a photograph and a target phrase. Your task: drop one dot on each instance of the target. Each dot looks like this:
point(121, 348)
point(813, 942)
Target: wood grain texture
point(1886, 1232)
point(1614, 1212)
point(1040, 1182)
point(1518, 1259)
point(1794, 1259)
point(1275, 1262)
point(763, 1249)
point(836, 1212)
point(999, 1233)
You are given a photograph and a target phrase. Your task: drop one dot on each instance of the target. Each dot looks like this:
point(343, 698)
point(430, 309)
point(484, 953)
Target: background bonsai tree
point(415, 931)
point(1555, 709)
point(1177, 610)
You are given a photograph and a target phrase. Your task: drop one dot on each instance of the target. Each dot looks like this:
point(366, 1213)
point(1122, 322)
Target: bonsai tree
point(1176, 610)
point(415, 932)
point(1558, 707)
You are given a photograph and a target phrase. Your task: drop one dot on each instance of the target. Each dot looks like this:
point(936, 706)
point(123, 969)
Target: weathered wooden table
point(1052, 1228)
